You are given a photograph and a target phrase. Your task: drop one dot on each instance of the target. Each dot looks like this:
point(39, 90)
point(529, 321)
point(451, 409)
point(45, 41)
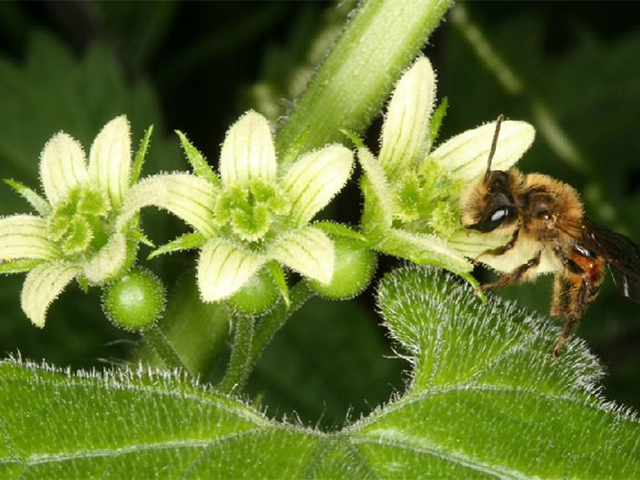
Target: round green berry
point(353, 270)
point(134, 301)
point(257, 296)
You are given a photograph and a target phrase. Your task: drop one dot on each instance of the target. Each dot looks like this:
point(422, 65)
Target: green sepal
point(471, 280)
point(339, 230)
point(199, 164)
point(187, 241)
point(19, 265)
point(277, 273)
point(436, 120)
point(139, 236)
point(354, 137)
point(39, 204)
point(83, 283)
point(138, 161)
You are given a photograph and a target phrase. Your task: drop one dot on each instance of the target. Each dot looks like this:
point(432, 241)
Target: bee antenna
point(494, 145)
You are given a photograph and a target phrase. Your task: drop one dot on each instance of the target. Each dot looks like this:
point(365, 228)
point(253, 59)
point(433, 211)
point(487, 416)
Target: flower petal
point(189, 197)
point(26, 236)
point(315, 179)
point(423, 249)
point(405, 133)
point(108, 261)
point(224, 268)
point(466, 155)
point(248, 151)
point(382, 202)
point(42, 286)
point(62, 166)
point(308, 251)
point(110, 159)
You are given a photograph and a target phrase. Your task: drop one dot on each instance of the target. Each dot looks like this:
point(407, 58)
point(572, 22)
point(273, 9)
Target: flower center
point(76, 222)
point(429, 199)
point(250, 210)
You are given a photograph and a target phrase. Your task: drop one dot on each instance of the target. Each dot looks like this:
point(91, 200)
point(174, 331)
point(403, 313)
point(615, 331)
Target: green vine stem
point(380, 41)
point(163, 348)
point(270, 324)
point(548, 125)
point(239, 364)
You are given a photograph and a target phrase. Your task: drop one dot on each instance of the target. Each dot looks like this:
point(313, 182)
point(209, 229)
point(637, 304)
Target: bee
point(549, 232)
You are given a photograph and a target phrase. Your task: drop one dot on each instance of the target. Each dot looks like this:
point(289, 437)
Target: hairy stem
point(239, 364)
point(347, 91)
point(163, 348)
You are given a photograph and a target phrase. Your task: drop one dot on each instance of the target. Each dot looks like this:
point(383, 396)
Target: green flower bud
point(353, 270)
point(135, 301)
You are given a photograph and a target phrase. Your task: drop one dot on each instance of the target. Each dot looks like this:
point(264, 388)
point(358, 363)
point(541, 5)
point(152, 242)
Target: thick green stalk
point(239, 364)
point(380, 41)
point(163, 348)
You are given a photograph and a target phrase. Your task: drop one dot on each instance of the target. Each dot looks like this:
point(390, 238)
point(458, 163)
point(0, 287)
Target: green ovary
point(77, 222)
point(251, 210)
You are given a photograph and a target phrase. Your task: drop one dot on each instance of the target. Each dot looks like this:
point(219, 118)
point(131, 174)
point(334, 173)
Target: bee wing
point(620, 252)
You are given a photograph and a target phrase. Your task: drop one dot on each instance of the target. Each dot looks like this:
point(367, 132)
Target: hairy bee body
point(549, 233)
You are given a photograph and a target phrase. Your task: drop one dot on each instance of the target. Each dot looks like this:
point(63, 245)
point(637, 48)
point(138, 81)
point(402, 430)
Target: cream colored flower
point(412, 191)
point(252, 213)
point(75, 234)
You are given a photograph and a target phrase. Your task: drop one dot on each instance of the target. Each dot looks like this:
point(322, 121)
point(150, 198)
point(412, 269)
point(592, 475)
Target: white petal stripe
point(465, 155)
point(315, 179)
point(62, 166)
point(248, 151)
point(189, 197)
point(42, 286)
point(405, 133)
point(25, 236)
point(110, 159)
point(308, 251)
point(223, 269)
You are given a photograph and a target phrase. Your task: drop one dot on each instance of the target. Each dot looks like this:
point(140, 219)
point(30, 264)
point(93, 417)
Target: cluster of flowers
point(253, 215)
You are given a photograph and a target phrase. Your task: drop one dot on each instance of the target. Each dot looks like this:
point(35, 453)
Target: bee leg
point(496, 252)
point(570, 327)
point(571, 295)
point(516, 275)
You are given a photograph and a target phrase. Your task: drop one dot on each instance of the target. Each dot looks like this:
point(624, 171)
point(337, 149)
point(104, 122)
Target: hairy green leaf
point(485, 399)
point(487, 396)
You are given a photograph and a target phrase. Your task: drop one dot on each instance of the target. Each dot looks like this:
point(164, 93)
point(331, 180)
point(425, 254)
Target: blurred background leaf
point(195, 66)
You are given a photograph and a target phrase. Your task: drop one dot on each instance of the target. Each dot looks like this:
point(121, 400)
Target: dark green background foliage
point(195, 66)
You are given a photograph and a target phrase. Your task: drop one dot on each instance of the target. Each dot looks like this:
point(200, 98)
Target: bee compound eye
point(499, 214)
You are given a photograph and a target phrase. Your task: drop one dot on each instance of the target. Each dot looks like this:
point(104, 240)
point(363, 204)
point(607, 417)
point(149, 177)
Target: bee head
point(490, 205)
